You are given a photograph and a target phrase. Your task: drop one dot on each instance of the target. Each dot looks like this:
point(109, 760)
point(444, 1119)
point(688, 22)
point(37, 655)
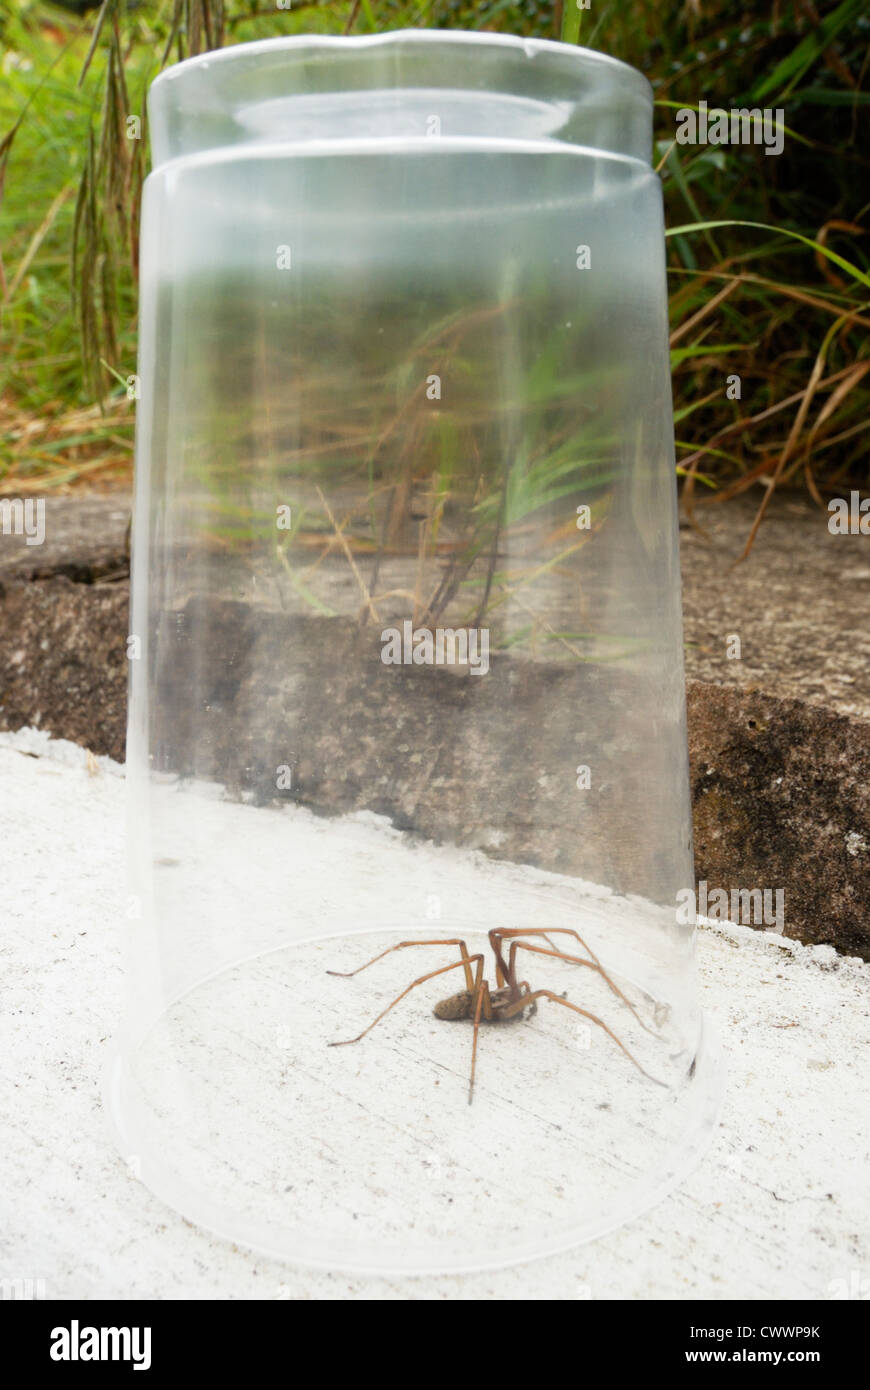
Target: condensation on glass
point(409, 662)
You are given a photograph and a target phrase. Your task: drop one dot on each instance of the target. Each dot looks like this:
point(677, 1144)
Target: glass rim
point(584, 58)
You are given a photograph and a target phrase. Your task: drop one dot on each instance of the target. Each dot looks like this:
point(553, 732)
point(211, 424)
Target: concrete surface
point(781, 799)
point(798, 603)
point(779, 738)
point(780, 1206)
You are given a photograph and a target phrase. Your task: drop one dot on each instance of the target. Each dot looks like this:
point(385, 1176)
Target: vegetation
point(767, 256)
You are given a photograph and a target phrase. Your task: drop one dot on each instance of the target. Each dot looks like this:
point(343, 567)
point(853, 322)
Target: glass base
point(369, 1157)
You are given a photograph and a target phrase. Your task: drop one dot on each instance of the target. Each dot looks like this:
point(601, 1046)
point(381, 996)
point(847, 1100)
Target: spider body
point(457, 1006)
point(461, 1005)
point(511, 997)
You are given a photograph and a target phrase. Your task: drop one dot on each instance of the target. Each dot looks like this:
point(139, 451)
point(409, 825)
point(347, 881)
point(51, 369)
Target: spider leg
point(400, 945)
point(557, 999)
point(593, 964)
point(508, 932)
point(524, 984)
point(502, 973)
point(454, 965)
point(482, 1003)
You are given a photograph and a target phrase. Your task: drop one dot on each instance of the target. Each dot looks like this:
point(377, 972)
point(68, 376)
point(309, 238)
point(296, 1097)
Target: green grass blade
point(861, 276)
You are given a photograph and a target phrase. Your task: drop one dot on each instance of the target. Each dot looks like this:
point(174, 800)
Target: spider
point(511, 997)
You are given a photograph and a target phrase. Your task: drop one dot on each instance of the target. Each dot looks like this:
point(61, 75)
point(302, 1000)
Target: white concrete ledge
point(780, 1207)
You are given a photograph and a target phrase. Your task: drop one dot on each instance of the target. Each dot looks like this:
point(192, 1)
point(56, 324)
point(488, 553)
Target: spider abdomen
point(457, 1006)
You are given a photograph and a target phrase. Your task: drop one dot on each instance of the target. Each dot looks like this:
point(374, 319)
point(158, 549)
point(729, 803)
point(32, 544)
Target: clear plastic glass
point(408, 662)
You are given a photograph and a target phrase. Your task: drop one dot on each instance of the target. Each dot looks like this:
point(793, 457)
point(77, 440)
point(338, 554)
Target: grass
point(767, 256)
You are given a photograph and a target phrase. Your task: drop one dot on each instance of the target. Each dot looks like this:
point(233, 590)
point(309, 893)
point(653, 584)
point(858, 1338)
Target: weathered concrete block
point(781, 799)
point(63, 660)
point(781, 786)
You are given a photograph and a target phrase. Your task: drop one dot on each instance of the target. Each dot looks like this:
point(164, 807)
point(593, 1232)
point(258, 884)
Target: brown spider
point(511, 997)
